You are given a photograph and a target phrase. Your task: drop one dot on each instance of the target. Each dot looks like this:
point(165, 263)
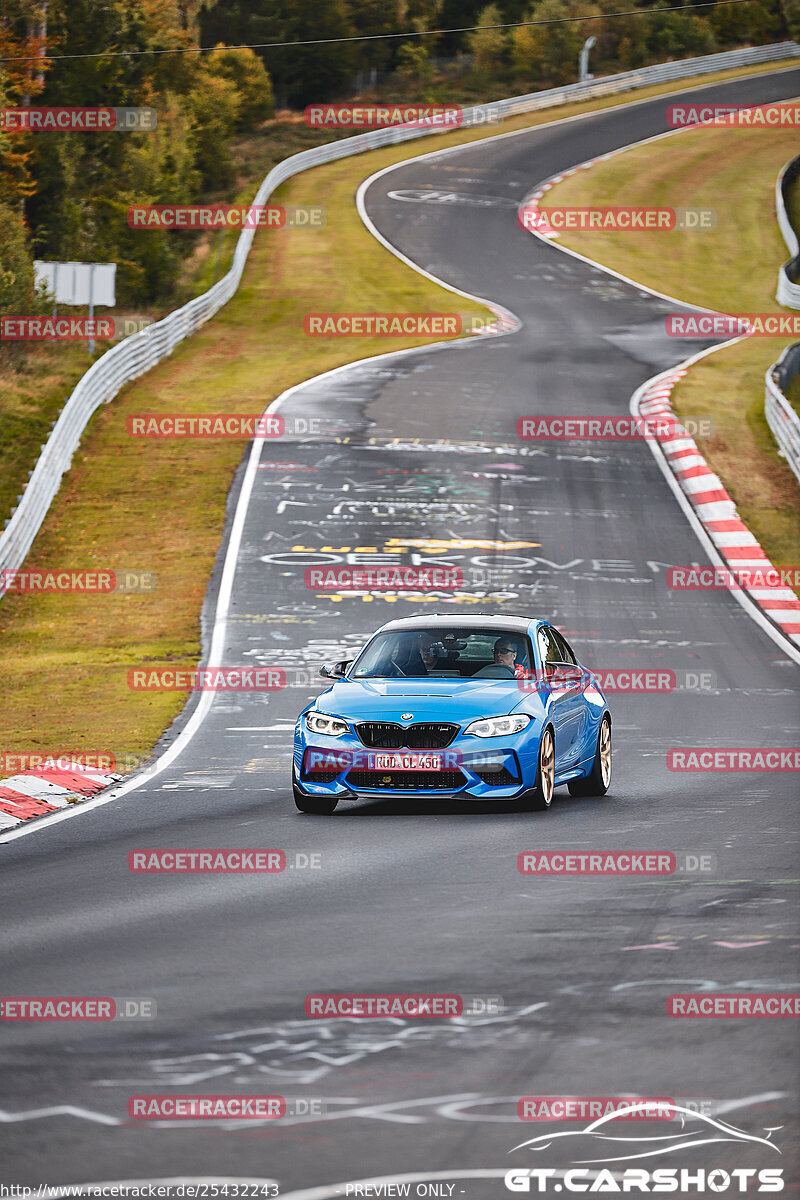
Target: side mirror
point(565, 675)
point(336, 670)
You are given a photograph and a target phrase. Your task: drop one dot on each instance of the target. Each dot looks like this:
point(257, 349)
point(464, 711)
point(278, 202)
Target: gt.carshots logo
point(682, 1181)
point(381, 116)
point(590, 1150)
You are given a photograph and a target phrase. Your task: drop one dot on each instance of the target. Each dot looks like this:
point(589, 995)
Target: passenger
point(427, 650)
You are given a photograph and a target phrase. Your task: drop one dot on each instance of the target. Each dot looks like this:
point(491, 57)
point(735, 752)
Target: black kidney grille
point(406, 781)
point(386, 735)
point(424, 736)
point(381, 734)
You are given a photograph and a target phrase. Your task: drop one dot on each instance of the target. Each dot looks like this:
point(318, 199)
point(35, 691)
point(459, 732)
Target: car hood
point(428, 699)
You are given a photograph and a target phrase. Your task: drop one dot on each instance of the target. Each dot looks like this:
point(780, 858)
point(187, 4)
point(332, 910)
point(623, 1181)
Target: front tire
point(322, 806)
point(598, 781)
point(542, 795)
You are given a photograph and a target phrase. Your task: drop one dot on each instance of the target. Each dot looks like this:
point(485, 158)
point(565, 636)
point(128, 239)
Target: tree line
point(66, 195)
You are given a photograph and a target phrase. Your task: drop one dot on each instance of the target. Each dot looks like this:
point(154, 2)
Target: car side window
point(548, 647)
point(567, 653)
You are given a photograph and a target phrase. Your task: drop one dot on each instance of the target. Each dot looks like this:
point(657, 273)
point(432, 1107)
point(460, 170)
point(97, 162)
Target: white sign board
point(79, 283)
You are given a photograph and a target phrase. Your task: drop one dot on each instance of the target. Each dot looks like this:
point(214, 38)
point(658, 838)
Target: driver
point(505, 653)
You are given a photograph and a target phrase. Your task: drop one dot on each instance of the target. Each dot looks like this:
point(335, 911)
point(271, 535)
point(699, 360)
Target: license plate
point(405, 762)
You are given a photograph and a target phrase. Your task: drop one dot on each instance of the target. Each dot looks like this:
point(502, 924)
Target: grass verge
point(66, 657)
point(732, 267)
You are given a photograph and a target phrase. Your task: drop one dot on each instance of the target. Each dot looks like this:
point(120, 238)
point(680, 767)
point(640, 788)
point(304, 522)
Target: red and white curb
point(38, 792)
point(529, 214)
point(736, 546)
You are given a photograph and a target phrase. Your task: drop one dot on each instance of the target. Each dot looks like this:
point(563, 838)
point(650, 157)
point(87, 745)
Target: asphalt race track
point(428, 897)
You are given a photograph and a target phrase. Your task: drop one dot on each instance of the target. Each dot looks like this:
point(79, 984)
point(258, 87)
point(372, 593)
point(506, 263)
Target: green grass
point(66, 657)
point(732, 267)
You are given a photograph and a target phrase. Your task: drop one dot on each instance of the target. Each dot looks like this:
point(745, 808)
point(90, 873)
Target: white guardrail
point(788, 292)
point(141, 351)
point(781, 417)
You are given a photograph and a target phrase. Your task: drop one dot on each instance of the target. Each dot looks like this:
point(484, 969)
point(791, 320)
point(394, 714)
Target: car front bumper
point(471, 768)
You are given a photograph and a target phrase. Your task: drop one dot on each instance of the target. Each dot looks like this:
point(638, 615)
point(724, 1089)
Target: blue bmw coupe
point(468, 708)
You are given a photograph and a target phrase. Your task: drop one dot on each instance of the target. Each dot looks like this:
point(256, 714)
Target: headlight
point(498, 726)
point(319, 722)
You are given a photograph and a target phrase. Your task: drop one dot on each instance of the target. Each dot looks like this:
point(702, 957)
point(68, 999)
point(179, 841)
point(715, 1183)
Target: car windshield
point(445, 653)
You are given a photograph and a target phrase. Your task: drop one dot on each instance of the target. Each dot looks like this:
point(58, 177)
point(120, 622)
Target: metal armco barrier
point(781, 417)
point(788, 292)
point(141, 351)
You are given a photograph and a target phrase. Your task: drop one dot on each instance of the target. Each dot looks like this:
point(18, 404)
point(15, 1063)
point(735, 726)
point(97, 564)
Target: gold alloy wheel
point(547, 766)
point(605, 752)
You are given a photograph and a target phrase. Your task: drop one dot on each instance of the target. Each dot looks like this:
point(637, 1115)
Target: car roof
point(515, 622)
